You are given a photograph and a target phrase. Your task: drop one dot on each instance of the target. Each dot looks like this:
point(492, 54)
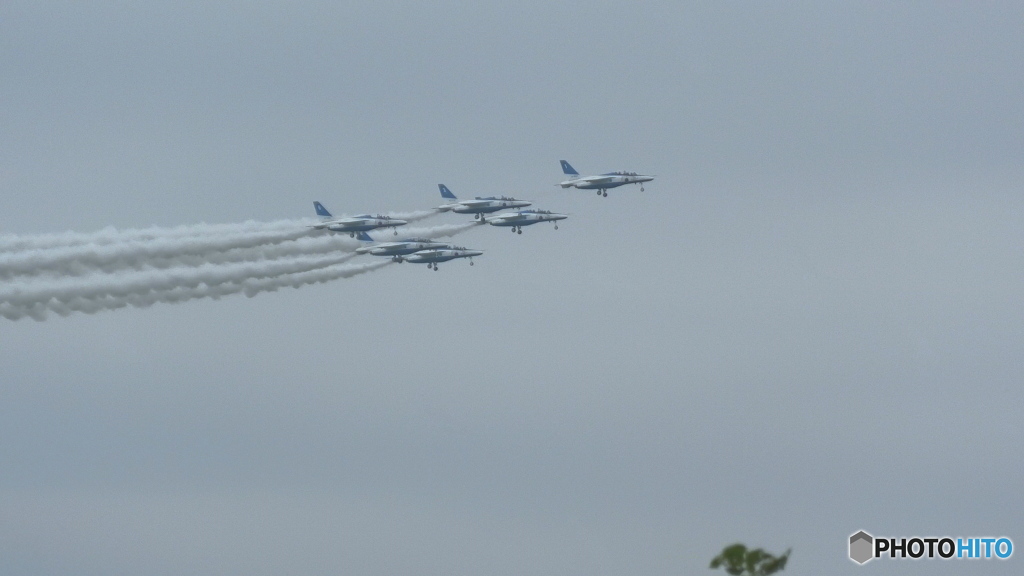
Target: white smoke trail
point(122, 285)
point(301, 247)
point(72, 260)
point(413, 216)
point(156, 273)
point(442, 231)
point(253, 287)
point(166, 253)
point(111, 235)
point(250, 287)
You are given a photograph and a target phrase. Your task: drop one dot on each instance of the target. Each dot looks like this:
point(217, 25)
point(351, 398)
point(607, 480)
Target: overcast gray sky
point(808, 325)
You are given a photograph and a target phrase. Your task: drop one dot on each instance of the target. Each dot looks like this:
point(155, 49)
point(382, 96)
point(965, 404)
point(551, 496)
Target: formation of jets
point(429, 252)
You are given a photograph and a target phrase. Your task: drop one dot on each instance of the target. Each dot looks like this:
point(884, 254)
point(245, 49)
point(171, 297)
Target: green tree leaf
point(737, 560)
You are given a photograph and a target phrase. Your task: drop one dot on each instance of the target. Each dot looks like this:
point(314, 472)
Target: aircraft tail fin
point(363, 237)
point(446, 193)
point(568, 169)
point(321, 211)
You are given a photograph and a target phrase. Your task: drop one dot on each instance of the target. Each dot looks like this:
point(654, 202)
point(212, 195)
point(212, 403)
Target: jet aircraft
point(400, 248)
point(353, 224)
point(601, 182)
point(524, 218)
point(432, 256)
point(479, 206)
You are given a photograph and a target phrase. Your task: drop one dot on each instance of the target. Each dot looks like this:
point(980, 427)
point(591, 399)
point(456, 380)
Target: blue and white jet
point(478, 206)
point(601, 182)
point(400, 248)
point(516, 220)
point(353, 224)
point(432, 256)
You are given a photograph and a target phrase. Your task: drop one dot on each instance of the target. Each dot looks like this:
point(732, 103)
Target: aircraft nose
point(399, 222)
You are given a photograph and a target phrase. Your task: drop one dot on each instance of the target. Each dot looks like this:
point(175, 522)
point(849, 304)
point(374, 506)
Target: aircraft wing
point(504, 218)
point(343, 222)
point(474, 203)
point(597, 179)
point(336, 222)
point(351, 221)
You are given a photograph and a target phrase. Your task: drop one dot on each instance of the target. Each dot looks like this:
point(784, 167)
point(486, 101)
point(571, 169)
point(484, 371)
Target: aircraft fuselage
point(605, 181)
point(524, 218)
point(434, 256)
point(401, 248)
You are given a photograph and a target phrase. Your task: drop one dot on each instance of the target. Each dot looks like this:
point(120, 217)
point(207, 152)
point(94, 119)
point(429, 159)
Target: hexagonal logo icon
point(861, 545)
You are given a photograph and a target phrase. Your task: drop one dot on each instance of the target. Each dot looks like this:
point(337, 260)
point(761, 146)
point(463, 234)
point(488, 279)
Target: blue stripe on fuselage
point(477, 210)
point(397, 251)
